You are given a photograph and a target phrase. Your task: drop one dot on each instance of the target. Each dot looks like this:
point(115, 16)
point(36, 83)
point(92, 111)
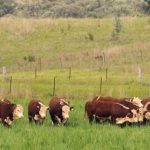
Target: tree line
point(73, 8)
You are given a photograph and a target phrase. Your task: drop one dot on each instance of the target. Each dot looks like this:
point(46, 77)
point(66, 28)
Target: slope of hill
point(73, 42)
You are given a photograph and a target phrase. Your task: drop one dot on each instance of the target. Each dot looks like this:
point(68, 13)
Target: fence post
point(106, 74)
point(35, 73)
point(10, 85)
point(4, 73)
point(54, 86)
point(139, 74)
point(100, 87)
point(40, 64)
point(69, 73)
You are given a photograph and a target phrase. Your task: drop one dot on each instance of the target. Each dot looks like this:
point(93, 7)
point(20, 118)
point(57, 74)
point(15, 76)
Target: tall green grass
point(77, 134)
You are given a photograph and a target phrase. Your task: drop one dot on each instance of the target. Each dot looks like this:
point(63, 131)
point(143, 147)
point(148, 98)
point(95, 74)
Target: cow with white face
point(37, 111)
point(18, 111)
point(9, 112)
point(59, 110)
point(137, 102)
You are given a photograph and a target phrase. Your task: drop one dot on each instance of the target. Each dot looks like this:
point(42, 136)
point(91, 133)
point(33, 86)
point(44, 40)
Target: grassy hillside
point(73, 42)
point(88, 47)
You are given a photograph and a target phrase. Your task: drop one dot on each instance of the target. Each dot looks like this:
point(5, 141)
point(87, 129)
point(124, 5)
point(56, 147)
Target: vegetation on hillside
point(73, 8)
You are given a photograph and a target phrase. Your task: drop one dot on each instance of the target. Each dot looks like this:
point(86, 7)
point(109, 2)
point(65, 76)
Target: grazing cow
point(134, 104)
point(9, 112)
point(59, 110)
point(115, 112)
point(36, 111)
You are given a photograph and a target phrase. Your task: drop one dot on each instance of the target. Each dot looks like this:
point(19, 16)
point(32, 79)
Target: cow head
point(43, 109)
point(65, 111)
point(18, 111)
point(137, 101)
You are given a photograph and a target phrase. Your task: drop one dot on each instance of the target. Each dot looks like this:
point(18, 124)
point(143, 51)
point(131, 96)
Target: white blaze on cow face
point(43, 110)
point(65, 112)
point(18, 112)
point(137, 101)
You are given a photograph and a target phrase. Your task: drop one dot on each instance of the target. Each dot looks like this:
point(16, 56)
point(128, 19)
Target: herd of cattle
point(58, 108)
point(119, 111)
point(99, 109)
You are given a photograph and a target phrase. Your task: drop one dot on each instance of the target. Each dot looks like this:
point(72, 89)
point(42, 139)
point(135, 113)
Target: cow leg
point(122, 125)
point(55, 123)
point(144, 121)
point(30, 119)
point(91, 118)
point(5, 123)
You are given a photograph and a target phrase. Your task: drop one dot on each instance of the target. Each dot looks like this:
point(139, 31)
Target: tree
point(7, 7)
point(147, 7)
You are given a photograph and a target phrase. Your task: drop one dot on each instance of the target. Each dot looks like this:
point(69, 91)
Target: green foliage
point(77, 8)
point(147, 6)
point(7, 7)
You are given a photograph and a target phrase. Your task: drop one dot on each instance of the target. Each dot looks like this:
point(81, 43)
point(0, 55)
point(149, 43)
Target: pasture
point(65, 43)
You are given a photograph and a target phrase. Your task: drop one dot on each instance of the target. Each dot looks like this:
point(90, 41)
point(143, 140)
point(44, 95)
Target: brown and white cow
point(9, 112)
point(115, 112)
point(36, 111)
point(133, 104)
point(59, 110)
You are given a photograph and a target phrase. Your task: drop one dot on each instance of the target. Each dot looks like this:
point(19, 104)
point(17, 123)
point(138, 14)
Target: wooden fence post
point(100, 87)
point(54, 86)
point(10, 85)
point(139, 74)
point(106, 74)
point(35, 73)
point(40, 64)
point(69, 73)
point(4, 73)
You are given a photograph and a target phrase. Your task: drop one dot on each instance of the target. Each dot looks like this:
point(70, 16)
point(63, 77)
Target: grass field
point(64, 43)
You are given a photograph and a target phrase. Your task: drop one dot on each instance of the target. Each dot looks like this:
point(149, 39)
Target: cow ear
point(71, 108)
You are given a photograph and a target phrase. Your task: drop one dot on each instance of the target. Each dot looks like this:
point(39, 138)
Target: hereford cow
point(134, 105)
point(59, 110)
point(9, 112)
point(36, 111)
point(111, 109)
